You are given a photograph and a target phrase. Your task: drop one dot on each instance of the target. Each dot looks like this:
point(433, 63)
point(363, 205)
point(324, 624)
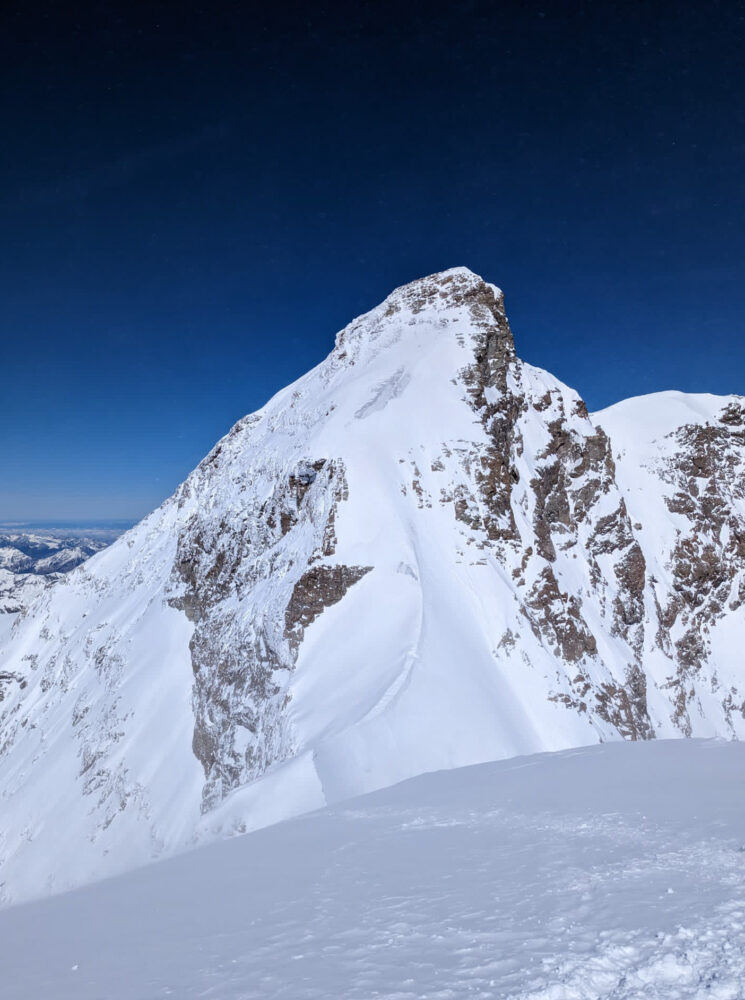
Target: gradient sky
point(195, 197)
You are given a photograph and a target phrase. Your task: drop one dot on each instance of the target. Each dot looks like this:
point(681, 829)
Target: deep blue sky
point(195, 197)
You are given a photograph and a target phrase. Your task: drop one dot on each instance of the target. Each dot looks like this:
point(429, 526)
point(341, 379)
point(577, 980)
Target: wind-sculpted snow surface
point(422, 554)
point(610, 873)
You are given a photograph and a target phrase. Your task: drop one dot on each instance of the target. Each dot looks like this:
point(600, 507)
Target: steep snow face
point(418, 556)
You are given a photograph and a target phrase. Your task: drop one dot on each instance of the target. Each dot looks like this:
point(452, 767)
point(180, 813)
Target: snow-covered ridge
point(423, 554)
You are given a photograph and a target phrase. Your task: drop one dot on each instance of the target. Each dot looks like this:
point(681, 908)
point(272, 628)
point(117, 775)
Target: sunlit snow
point(610, 873)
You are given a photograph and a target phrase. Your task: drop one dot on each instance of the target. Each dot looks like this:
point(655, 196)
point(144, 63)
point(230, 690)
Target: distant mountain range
point(423, 554)
point(31, 552)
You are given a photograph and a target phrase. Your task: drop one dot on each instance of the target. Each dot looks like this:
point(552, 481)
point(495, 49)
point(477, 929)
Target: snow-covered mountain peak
point(660, 414)
point(437, 301)
point(422, 554)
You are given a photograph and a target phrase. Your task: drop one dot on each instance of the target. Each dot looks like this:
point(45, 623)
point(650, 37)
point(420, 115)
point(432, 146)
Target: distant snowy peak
point(44, 552)
point(422, 554)
point(17, 591)
point(15, 561)
point(653, 418)
point(31, 560)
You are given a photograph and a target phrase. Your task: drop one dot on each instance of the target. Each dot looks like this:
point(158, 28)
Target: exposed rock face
point(568, 501)
point(242, 662)
point(315, 591)
point(489, 390)
point(423, 554)
point(6, 680)
point(697, 474)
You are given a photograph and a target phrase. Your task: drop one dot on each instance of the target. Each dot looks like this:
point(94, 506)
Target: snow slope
point(421, 555)
point(615, 872)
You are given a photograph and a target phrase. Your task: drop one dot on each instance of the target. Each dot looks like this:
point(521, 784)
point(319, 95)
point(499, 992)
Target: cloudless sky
point(195, 197)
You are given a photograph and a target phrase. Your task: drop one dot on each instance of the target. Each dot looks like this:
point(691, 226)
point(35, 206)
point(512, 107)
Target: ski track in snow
point(612, 873)
point(402, 681)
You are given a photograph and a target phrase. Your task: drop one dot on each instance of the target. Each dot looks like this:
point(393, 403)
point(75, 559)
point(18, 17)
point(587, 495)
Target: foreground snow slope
point(610, 873)
point(423, 554)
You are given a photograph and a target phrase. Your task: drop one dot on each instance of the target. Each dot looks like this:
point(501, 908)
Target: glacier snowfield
point(616, 871)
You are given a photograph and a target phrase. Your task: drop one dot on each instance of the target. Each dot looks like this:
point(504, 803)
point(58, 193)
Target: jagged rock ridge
point(423, 554)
